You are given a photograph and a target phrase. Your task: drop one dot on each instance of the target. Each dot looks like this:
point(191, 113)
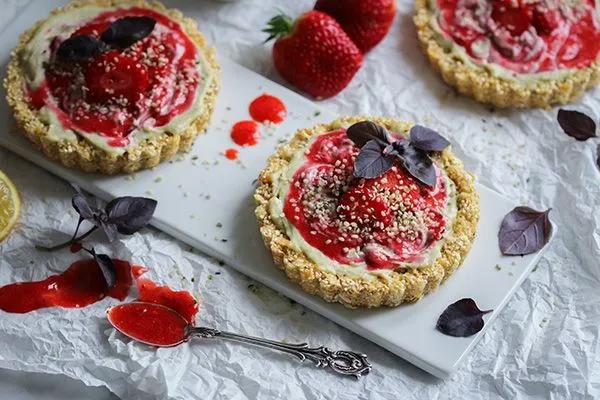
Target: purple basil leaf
point(81, 205)
point(524, 231)
point(371, 162)
point(109, 229)
point(461, 319)
point(363, 132)
point(576, 124)
point(419, 165)
point(130, 214)
point(427, 139)
point(79, 48)
point(126, 31)
point(107, 267)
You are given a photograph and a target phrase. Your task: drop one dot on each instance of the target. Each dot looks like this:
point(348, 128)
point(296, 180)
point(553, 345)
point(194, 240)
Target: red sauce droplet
point(267, 108)
point(75, 248)
point(245, 133)
point(149, 323)
point(232, 154)
point(80, 285)
point(181, 301)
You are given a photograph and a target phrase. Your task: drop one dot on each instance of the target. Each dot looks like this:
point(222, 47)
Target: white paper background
point(545, 344)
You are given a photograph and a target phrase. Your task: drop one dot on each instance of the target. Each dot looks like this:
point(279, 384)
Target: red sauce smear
point(245, 133)
point(181, 301)
point(80, 285)
point(232, 154)
point(145, 85)
point(382, 222)
point(524, 37)
point(267, 108)
point(149, 323)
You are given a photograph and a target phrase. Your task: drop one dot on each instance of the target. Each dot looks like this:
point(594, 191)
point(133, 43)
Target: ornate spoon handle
point(342, 362)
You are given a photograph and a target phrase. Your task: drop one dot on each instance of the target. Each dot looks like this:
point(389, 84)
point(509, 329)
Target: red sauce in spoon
point(149, 323)
point(80, 285)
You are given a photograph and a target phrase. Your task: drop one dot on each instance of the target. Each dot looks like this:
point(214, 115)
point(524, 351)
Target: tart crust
point(479, 83)
point(403, 285)
point(83, 155)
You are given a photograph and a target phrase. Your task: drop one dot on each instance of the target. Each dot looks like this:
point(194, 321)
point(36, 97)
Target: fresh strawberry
point(365, 21)
point(112, 75)
point(314, 53)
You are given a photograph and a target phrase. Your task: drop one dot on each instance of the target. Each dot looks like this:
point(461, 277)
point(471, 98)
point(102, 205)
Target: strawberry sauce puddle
point(145, 85)
point(83, 284)
point(382, 222)
point(80, 285)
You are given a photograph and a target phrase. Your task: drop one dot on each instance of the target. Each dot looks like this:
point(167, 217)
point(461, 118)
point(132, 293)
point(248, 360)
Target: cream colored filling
point(460, 53)
point(36, 54)
point(281, 186)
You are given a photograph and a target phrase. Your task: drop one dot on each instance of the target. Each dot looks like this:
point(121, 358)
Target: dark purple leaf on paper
point(363, 132)
point(126, 31)
point(427, 139)
point(461, 319)
point(524, 231)
point(371, 162)
point(130, 214)
point(576, 124)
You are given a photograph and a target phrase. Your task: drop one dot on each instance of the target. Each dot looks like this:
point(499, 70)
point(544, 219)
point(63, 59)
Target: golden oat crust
point(406, 285)
point(479, 83)
point(83, 155)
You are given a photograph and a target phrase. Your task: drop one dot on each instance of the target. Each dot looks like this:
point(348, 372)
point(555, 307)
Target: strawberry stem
point(278, 26)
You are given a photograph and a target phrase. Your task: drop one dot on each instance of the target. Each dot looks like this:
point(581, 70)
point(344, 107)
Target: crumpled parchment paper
point(545, 344)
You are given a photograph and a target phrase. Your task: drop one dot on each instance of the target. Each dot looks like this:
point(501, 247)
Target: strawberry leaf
point(461, 319)
point(576, 124)
point(524, 231)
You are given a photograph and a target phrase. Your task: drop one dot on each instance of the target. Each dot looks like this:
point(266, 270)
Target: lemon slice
point(10, 206)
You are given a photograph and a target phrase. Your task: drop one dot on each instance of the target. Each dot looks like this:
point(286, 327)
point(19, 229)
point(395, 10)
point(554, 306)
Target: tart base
point(400, 286)
point(81, 154)
point(479, 83)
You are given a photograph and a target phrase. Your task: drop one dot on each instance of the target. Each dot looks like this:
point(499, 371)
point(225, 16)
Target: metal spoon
point(341, 361)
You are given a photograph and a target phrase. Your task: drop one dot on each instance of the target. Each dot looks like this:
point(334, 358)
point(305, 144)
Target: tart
point(112, 86)
point(513, 53)
point(363, 242)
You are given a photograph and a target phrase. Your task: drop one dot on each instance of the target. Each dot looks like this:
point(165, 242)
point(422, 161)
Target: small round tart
point(363, 242)
point(513, 53)
point(112, 86)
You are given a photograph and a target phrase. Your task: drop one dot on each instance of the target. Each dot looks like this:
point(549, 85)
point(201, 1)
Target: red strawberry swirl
point(524, 36)
point(385, 223)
